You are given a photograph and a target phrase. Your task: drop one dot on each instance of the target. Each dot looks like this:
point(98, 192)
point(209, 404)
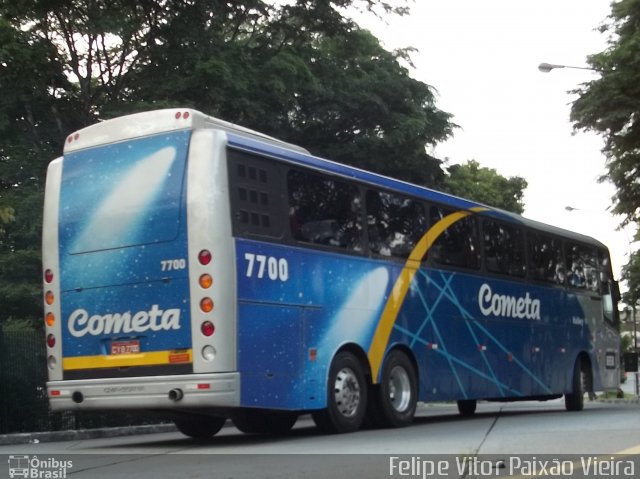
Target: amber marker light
point(49, 297)
point(205, 281)
point(50, 319)
point(206, 305)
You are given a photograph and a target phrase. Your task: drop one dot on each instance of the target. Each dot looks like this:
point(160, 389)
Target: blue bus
point(208, 272)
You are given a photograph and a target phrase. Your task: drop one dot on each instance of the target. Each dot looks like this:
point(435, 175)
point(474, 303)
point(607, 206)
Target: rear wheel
point(346, 396)
point(393, 401)
point(264, 421)
point(574, 401)
point(199, 427)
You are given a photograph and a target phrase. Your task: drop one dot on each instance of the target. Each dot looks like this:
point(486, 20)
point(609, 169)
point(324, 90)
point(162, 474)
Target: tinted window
point(458, 244)
point(503, 248)
point(255, 196)
point(394, 223)
point(582, 267)
point(324, 211)
point(546, 259)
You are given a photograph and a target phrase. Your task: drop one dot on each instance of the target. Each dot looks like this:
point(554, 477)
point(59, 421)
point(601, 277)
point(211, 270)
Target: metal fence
point(23, 397)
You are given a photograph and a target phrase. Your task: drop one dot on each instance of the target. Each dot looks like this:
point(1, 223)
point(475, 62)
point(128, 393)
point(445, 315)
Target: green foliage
point(485, 185)
point(631, 274)
point(610, 105)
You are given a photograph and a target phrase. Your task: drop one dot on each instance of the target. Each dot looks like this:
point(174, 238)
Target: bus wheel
point(199, 427)
point(467, 407)
point(574, 401)
point(346, 396)
point(393, 401)
point(264, 421)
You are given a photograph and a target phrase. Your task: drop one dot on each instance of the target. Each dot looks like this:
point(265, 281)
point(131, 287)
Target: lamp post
point(547, 67)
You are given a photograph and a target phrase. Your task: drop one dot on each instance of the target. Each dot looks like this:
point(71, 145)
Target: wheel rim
point(399, 389)
point(347, 392)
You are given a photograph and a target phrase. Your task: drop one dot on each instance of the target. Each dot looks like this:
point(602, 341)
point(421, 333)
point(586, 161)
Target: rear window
point(124, 194)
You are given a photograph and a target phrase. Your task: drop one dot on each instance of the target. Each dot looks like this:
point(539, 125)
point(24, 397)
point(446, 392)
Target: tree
point(485, 185)
point(610, 105)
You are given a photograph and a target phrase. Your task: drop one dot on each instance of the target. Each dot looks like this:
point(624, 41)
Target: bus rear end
point(138, 267)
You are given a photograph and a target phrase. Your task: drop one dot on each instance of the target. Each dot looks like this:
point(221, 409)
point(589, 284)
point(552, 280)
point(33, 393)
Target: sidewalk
point(79, 434)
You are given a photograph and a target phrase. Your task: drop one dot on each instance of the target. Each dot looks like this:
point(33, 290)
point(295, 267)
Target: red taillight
point(51, 340)
point(204, 257)
point(207, 328)
point(55, 392)
point(204, 386)
point(48, 276)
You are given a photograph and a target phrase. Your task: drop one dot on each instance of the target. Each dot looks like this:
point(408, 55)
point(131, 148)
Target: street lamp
point(547, 67)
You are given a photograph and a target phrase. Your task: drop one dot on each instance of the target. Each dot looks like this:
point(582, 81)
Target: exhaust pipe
point(176, 394)
point(77, 397)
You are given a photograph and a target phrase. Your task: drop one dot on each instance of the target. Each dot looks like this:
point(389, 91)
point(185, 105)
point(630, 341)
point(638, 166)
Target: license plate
point(125, 347)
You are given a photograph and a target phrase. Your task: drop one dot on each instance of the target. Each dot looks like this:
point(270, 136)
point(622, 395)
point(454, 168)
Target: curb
point(79, 434)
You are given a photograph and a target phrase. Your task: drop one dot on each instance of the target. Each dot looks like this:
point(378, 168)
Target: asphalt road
point(493, 435)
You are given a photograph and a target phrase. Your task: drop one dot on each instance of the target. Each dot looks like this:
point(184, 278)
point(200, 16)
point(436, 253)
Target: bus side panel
point(295, 317)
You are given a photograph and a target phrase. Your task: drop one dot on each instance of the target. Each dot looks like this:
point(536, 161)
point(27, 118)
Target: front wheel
point(574, 401)
point(467, 407)
point(199, 427)
point(264, 421)
point(346, 396)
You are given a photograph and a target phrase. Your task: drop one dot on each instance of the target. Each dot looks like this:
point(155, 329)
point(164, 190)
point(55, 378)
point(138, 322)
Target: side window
point(546, 259)
point(503, 248)
point(582, 271)
point(255, 199)
point(324, 211)
point(458, 245)
point(394, 223)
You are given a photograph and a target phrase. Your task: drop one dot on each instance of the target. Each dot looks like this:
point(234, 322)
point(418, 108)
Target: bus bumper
point(157, 392)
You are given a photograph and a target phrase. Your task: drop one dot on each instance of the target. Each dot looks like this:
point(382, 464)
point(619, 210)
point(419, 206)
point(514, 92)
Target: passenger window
point(582, 267)
point(394, 223)
point(546, 259)
point(324, 211)
point(458, 245)
point(503, 248)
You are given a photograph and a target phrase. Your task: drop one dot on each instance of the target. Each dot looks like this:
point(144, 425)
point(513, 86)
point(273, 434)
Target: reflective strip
point(399, 291)
point(124, 360)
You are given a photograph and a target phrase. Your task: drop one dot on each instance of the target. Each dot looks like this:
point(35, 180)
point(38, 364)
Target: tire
point(393, 402)
point(574, 401)
point(346, 396)
point(199, 427)
point(264, 421)
point(467, 407)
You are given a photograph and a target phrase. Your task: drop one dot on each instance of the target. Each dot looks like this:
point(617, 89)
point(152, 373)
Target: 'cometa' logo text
point(156, 319)
point(494, 304)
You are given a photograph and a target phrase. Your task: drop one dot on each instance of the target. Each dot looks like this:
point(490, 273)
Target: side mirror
point(615, 291)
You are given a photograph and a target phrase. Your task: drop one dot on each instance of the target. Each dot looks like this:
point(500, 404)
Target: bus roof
point(158, 121)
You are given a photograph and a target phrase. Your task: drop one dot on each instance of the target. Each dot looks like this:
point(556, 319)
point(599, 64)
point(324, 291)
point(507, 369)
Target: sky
point(482, 59)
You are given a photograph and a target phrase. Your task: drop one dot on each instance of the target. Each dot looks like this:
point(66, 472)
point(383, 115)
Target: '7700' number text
point(261, 266)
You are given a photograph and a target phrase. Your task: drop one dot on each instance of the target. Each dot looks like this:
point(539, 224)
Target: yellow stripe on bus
point(399, 291)
point(154, 358)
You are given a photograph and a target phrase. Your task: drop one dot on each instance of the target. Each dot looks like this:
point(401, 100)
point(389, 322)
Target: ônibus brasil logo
point(81, 322)
point(35, 468)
